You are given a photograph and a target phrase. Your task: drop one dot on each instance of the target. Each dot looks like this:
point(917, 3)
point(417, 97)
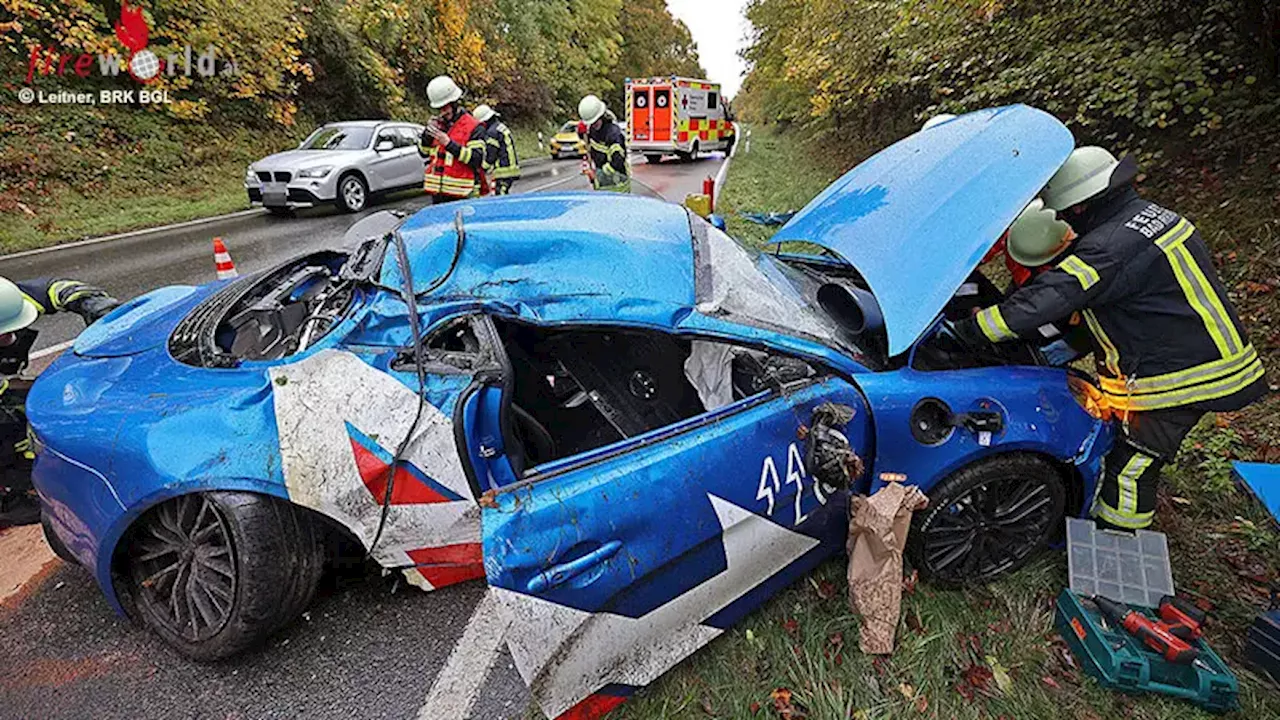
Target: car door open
point(649, 523)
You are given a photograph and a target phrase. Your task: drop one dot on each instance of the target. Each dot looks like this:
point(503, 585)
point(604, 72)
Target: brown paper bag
point(878, 528)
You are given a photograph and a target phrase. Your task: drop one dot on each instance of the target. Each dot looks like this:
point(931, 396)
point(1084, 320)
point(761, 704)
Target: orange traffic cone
point(222, 260)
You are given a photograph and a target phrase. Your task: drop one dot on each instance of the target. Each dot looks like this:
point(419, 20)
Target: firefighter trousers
point(1127, 498)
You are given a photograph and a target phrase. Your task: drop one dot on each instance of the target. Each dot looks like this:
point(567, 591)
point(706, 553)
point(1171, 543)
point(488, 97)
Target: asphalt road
point(366, 648)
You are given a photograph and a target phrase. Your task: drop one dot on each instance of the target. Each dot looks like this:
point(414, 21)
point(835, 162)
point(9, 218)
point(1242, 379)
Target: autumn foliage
point(362, 57)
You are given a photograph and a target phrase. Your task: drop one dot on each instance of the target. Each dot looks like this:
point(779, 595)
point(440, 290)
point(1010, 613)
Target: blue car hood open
point(916, 218)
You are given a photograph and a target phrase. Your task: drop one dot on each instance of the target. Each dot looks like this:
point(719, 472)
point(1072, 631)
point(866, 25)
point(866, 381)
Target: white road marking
point(134, 233)
point(553, 183)
point(456, 688)
point(52, 349)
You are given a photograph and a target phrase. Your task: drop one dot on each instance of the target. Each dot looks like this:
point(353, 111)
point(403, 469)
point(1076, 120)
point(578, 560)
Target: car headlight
point(251, 177)
point(318, 172)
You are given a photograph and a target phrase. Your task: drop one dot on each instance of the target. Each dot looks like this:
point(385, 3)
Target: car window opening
point(579, 389)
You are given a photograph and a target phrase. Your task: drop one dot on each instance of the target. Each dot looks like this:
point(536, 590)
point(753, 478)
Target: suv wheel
point(987, 519)
point(353, 194)
point(215, 573)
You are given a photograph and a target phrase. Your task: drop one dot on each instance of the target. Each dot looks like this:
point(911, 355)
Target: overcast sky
point(719, 28)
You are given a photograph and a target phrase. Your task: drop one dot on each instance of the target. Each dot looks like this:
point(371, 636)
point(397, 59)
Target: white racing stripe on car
point(456, 688)
point(565, 654)
point(314, 401)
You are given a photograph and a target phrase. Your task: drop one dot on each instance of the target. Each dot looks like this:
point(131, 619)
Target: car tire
point(987, 519)
point(353, 193)
point(653, 159)
point(214, 573)
point(55, 543)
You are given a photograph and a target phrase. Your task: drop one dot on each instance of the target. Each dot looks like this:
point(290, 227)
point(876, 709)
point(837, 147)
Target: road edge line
point(457, 685)
point(133, 233)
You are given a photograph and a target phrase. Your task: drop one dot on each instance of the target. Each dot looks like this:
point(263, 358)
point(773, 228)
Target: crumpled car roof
point(557, 257)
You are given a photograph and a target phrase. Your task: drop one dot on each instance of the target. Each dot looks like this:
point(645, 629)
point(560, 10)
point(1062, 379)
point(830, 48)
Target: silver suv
point(343, 163)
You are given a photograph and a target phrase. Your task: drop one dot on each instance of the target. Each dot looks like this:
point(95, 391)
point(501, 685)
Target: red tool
point(1182, 617)
point(1153, 634)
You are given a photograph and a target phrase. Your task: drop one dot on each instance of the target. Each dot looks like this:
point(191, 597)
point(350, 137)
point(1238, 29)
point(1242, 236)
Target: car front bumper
point(297, 191)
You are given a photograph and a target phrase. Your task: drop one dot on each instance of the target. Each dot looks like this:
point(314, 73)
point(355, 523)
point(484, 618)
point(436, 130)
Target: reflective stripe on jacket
point(500, 156)
point(452, 170)
point(1165, 335)
point(608, 152)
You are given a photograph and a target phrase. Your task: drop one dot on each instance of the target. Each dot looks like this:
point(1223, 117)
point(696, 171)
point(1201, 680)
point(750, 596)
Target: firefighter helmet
point(442, 90)
point(1085, 174)
point(15, 312)
point(590, 109)
point(483, 113)
point(1038, 236)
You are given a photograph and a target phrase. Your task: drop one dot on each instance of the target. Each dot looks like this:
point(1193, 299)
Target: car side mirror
point(383, 146)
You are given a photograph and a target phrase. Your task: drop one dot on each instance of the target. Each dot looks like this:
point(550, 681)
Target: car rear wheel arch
point(277, 550)
point(1062, 489)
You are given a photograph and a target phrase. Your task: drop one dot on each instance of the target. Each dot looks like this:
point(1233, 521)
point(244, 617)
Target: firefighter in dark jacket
point(606, 147)
point(1168, 345)
point(453, 144)
point(500, 150)
point(20, 305)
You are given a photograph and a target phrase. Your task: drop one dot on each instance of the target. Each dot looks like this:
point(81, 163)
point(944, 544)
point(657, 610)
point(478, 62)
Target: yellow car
point(566, 143)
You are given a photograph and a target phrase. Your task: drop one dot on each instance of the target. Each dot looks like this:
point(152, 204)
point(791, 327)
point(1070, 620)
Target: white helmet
point(483, 113)
point(937, 120)
point(1085, 174)
point(442, 90)
point(590, 109)
point(1038, 236)
point(15, 312)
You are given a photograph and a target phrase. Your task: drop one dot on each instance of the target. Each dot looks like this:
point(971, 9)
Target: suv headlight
point(318, 172)
point(251, 177)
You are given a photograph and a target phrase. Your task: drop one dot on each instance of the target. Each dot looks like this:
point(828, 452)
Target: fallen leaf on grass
point(826, 590)
point(1003, 681)
point(786, 709)
point(909, 583)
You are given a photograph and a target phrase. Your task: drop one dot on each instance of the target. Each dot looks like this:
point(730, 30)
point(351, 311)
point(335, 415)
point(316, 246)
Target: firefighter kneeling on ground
point(1167, 343)
point(20, 305)
point(606, 148)
point(453, 144)
point(500, 155)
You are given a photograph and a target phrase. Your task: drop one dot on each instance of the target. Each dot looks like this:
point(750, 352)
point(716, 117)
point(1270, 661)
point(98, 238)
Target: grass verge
point(989, 651)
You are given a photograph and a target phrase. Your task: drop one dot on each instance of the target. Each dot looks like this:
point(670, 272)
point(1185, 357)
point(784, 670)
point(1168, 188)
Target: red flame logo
point(132, 28)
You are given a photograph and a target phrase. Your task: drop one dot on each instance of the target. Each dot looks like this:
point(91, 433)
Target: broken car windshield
point(744, 285)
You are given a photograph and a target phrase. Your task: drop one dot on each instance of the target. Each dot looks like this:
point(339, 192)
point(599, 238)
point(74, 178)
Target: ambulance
point(676, 116)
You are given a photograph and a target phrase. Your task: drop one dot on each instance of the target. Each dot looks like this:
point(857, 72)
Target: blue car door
point(613, 566)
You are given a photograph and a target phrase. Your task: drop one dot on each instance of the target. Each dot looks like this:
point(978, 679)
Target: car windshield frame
point(748, 286)
point(347, 133)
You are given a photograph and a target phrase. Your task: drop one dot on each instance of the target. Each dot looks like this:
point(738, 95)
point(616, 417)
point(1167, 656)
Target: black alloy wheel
point(183, 561)
point(988, 519)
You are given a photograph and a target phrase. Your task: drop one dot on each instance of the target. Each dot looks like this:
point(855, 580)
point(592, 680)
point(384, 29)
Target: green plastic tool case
point(1121, 662)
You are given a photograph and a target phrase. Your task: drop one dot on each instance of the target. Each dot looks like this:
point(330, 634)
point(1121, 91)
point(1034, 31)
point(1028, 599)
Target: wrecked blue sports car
point(634, 427)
